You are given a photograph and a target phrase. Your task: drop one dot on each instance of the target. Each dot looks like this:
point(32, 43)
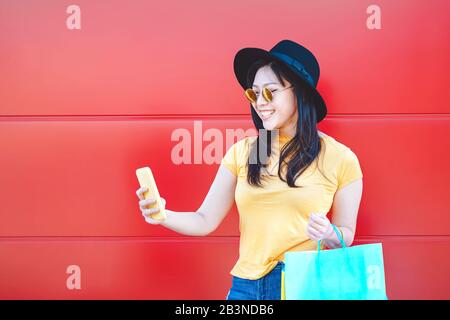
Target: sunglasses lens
point(251, 95)
point(267, 94)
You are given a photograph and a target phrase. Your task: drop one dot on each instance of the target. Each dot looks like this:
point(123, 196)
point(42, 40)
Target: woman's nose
point(261, 101)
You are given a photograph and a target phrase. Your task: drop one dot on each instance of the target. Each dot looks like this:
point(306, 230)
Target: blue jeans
point(265, 288)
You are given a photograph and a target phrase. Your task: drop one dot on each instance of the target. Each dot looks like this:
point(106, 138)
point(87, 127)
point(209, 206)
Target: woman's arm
point(345, 212)
point(213, 210)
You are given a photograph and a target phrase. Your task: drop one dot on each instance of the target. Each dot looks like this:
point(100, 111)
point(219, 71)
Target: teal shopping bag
point(347, 273)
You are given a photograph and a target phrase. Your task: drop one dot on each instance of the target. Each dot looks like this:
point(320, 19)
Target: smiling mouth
point(267, 114)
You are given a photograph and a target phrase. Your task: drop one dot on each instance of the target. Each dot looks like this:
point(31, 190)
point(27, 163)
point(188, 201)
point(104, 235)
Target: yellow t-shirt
point(273, 219)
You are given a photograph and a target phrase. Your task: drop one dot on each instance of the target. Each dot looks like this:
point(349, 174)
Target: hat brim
point(245, 57)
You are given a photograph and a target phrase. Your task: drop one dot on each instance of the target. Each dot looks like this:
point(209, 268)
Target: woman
point(285, 180)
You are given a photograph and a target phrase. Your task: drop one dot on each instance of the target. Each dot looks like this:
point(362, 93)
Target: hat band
point(297, 65)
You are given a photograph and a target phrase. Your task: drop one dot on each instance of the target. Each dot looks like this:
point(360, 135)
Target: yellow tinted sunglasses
point(251, 95)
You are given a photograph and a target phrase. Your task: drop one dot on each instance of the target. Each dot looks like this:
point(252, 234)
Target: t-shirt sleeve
point(350, 170)
point(229, 160)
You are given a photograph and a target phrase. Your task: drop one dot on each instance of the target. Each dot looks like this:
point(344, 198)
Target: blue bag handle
point(338, 235)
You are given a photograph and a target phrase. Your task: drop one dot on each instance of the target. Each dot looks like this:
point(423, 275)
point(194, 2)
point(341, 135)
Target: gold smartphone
point(146, 179)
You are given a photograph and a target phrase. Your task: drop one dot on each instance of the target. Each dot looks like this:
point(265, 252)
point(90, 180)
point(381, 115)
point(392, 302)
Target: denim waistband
point(278, 266)
point(266, 287)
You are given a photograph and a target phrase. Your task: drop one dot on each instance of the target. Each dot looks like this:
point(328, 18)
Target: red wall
point(81, 110)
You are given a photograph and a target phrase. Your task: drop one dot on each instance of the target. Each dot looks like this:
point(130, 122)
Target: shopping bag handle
point(338, 235)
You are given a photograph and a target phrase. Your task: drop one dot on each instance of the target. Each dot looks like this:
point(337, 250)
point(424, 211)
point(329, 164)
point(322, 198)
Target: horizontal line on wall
point(214, 239)
point(144, 117)
point(121, 239)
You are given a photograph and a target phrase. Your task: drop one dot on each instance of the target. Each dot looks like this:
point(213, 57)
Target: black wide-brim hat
point(299, 60)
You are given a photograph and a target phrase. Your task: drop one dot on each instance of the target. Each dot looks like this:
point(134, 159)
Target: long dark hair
point(303, 148)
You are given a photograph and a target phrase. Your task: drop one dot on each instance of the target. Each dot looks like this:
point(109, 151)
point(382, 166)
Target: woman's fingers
point(316, 227)
point(140, 191)
point(151, 221)
point(147, 216)
point(313, 231)
point(146, 202)
point(150, 211)
point(319, 219)
point(313, 234)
